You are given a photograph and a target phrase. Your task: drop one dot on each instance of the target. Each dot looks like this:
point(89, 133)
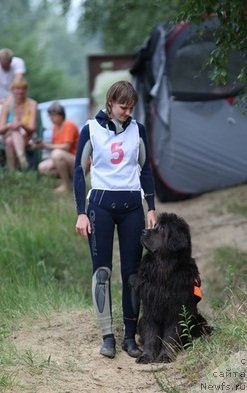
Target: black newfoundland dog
point(168, 284)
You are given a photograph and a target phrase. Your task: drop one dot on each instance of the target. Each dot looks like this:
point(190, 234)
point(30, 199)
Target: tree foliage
point(36, 31)
point(123, 25)
point(231, 34)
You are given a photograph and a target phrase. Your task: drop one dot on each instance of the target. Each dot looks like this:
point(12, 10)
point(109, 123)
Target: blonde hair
point(19, 82)
point(121, 92)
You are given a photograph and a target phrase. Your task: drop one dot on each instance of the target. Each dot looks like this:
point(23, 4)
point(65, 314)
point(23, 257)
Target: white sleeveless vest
point(115, 158)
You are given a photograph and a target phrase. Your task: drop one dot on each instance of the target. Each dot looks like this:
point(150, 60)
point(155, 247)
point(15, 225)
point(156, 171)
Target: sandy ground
point(60, 354)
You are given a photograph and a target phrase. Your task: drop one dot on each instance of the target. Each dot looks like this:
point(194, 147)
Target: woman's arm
point(31, 127)
point(52, 146)
point(146, 177)
point(84, 150)
point(4, 126)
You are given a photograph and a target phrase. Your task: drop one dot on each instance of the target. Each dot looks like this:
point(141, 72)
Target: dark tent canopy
point(197, 136)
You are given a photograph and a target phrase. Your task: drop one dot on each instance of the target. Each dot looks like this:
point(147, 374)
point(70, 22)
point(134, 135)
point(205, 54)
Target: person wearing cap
point(65, 135)
point(11, 67)
point(18, 122)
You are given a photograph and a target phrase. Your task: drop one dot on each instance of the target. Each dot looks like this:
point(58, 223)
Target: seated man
point(11, 67)
point(65, 135)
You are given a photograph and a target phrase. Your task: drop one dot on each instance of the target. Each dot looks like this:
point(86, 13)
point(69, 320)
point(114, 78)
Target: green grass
point(230, 268)
point(43, 263)
point(232, 201)
point(6, 381)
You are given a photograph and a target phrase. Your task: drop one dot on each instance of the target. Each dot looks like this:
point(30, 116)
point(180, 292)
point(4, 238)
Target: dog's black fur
point(165, 283)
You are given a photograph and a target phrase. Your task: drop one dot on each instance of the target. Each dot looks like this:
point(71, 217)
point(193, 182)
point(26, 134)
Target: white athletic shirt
point(115, 158)
point(17, 66)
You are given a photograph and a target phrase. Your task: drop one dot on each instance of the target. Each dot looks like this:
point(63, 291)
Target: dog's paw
point(144, 358)
point(208, 330)
point(164, 358)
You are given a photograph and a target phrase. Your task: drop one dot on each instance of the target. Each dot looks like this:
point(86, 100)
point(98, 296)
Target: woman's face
point(121, 112)
point(19, 93)
point(56, 118)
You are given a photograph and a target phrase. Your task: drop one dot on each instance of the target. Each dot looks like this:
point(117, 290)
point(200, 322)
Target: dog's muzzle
point(144, 232)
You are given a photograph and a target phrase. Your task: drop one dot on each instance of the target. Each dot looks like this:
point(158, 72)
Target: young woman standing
point(120, 179)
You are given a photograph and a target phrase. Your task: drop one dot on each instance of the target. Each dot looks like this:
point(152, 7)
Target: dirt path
point(60, 354)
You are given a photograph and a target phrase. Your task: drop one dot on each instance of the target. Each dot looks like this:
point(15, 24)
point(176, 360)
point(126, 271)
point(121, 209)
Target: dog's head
point(171, 234)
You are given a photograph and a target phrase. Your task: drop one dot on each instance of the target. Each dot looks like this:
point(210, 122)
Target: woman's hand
point(83, 226)
point(151, 219)
point(38, 144)
point(15, 125)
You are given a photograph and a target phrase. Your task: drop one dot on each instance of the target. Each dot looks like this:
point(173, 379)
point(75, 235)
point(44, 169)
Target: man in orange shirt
point(65, 135)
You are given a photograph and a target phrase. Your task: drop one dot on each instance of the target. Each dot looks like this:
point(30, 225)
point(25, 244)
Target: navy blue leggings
point(123, 210)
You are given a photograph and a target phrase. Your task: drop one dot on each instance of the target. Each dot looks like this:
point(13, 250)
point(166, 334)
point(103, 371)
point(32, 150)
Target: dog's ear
point(178, 240)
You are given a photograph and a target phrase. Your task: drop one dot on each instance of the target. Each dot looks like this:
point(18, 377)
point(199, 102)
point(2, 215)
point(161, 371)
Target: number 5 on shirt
point(116, 149)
